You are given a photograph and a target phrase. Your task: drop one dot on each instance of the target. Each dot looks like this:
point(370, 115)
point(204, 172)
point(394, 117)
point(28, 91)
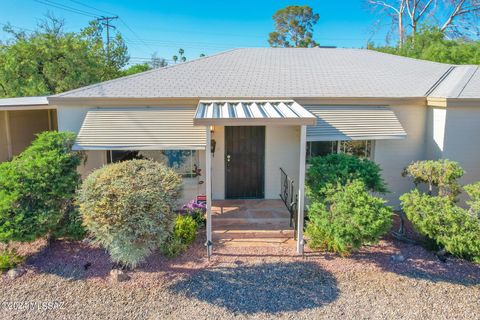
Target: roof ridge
point(439, 81)
point(140, 73)
point(468, 81)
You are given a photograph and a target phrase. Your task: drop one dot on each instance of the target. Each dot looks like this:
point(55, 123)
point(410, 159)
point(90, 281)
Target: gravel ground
point(244, 282)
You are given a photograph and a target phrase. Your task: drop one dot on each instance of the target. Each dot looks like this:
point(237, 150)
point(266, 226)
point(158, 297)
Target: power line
point(66, 8)
point(94, 8)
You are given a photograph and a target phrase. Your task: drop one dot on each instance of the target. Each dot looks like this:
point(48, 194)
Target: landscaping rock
point(117, 275)
point(15, 273)
point(398, 258)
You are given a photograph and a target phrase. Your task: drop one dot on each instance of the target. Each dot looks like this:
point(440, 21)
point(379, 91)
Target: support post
point(301, 189)
point(8, 136)
point(208, 185)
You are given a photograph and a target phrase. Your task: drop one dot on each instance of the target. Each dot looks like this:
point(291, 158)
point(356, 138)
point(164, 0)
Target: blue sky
point(207, 26)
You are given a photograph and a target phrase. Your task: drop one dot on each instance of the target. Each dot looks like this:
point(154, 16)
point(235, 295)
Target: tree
point(456, 18)
point(37, 188)
point(431, 44)
point(294, 27)
point(181, 56)
point(50, 60)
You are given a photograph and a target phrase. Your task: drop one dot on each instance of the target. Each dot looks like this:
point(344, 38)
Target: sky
point(197, 26)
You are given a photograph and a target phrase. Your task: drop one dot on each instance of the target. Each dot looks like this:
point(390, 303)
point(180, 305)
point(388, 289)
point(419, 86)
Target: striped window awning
point(252, 112)
point(166, 128)
point(354, 123)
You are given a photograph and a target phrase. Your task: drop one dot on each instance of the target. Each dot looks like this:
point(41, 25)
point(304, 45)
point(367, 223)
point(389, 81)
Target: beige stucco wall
point(394, 155)
point(70, 118)
point(462, 131)
point(24, 125)
point(282, 150)
point(282, 145)
point(3, 138)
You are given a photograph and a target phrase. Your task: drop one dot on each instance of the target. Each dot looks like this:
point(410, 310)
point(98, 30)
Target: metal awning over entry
point(354, 123)
point(252, 112)
point(166, 128)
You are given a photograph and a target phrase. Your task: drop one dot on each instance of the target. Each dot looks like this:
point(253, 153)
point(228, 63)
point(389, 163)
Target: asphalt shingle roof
point(281, 72)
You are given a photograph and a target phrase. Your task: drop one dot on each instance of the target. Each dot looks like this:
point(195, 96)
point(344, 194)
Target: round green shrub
point(348, 218)
point(37, 188)
point(334, 169)
point(129, 208)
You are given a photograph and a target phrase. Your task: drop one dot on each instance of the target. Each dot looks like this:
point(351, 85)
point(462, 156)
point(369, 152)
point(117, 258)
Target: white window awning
point(252, 112)
point(166, 128)
point(354, 123)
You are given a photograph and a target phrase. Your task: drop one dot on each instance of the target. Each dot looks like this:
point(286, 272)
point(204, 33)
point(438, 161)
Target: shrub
point(340, 169)
point(440, 174)
point(173, 247)
point(473, 191)
point(185, 229)
point(348, 218)
point(196, 211)
point(440, 219)
point(129, 208)
point(184, 233)
point(37, 188)
point(9, 259)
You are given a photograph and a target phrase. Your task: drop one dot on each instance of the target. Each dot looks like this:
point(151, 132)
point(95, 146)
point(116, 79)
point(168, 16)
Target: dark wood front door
point(245, 162)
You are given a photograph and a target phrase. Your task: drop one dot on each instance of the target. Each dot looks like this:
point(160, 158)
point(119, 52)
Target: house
point(20, 120)
point(248, 120)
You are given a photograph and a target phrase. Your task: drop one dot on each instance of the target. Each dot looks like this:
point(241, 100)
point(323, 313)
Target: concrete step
point(257, 242)
point(253, 234)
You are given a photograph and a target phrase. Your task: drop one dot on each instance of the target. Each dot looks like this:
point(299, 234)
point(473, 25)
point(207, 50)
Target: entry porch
point(252, 222)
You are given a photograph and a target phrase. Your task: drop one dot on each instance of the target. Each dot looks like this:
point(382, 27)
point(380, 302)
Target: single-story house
point(248, 120)
point(20, 120)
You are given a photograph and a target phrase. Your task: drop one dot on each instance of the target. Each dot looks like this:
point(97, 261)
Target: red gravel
point(367, 284)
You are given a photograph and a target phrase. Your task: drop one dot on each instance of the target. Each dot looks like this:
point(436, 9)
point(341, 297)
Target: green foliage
point(136, 68)
point(185, 229)
point(173, 247)
point(294, 27)
point(70, 227)
point(129, 208)
point(184, 233)
point(340, 168)
point(348, 218)
point(431, 44)
point(50, 60)
point(37, 188)
point(473, 191)
point(442, 174)
point(9, 259)
point(440, 219)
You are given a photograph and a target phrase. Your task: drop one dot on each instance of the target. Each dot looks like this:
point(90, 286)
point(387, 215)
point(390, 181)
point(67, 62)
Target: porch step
point(263, 242)
point(253, 234)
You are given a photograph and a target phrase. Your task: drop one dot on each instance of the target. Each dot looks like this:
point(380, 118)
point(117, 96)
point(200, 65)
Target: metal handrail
point(287, 194)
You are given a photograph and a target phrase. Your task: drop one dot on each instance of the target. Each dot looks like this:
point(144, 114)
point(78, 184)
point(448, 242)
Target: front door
point(245, 162)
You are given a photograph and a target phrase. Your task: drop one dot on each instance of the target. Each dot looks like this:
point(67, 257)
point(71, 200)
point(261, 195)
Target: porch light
point(212, 129)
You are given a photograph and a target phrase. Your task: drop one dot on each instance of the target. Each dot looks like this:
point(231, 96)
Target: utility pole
point(105, 21)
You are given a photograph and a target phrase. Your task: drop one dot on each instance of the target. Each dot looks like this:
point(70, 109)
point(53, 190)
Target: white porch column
point(301, 188)
point(208, 182)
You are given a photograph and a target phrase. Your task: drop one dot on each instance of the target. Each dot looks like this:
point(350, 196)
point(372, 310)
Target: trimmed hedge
point(129, 208)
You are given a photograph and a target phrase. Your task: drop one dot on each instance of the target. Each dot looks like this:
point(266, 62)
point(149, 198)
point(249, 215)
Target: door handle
point(228, 159)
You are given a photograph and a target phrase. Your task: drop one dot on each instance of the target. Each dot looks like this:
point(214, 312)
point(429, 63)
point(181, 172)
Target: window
point(183, 162)
point(359, 148)
point(321, 148)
